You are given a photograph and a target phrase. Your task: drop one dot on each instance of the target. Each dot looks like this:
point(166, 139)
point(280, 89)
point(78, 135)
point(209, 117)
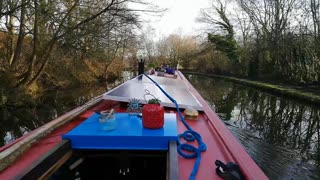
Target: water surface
point(280, 134)
point(17, 121)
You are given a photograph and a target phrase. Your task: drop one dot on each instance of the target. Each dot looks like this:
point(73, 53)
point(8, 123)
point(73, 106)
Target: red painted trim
point(48, 142)
point(236, 150)
point(15, 141)
point(2, 148)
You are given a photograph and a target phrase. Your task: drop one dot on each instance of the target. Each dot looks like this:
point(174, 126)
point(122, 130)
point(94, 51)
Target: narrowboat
point(76, 145)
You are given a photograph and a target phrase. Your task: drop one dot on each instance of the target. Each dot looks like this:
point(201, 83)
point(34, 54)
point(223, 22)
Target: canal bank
point(311, 97)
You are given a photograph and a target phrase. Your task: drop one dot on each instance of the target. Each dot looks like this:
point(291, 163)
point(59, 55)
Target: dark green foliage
point(154, 101)
point(273, 46)
point(225, 44)
point(223, 38)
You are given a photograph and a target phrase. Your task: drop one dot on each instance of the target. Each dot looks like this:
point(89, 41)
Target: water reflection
point(17, 121)
point(280, 134)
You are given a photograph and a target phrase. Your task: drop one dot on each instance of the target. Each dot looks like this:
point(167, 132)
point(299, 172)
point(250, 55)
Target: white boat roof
point(135, 89)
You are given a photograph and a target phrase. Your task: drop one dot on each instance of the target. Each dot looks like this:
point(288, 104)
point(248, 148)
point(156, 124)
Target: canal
point(280, 134)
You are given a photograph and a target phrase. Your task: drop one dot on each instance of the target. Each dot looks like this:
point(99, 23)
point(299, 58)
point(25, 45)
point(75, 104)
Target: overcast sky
point(179, 17)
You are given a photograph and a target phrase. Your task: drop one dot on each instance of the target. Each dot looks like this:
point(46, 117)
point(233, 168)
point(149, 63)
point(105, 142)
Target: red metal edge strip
point(3, 148)
point(48, 141)
point(237, 151)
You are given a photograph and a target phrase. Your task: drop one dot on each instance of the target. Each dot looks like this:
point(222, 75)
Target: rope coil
point(189, 136)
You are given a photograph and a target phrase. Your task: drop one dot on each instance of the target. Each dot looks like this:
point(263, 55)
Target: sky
point(180, 17)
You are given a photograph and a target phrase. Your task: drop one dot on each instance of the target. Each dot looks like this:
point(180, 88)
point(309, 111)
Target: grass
point(272, 88)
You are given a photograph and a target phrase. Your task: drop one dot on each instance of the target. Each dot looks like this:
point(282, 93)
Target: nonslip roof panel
point(136, 89)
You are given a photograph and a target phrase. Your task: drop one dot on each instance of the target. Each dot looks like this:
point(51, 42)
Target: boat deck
point(220, 143)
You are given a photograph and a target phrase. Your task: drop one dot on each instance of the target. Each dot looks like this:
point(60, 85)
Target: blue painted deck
point(129, 134)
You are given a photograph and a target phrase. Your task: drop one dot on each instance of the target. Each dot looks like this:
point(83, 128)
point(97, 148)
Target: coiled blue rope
point(189, 135)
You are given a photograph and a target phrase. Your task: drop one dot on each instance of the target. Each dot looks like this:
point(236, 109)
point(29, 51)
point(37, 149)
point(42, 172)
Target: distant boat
point(73, 147)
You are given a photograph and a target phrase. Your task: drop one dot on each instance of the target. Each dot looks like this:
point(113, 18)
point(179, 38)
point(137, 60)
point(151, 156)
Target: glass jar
point(107, 122)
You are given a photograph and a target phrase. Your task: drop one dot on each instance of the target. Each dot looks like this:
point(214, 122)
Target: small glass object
point(107, 120)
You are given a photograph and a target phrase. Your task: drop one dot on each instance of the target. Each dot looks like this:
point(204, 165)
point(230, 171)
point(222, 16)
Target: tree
point(52, 24)
point(176, 49)
point(221, 33)
point(148, 44)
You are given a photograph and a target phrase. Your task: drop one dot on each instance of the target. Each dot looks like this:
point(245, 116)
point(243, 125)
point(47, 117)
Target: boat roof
point(138, 87)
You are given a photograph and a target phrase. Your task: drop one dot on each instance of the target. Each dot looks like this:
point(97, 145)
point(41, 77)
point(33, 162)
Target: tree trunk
point(254, 63)
point(21, 35)
point(33, 57)
point(10, 40)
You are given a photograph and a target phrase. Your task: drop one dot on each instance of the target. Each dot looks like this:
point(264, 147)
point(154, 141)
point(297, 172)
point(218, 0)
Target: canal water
point(280, 134)
point(17, 121)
